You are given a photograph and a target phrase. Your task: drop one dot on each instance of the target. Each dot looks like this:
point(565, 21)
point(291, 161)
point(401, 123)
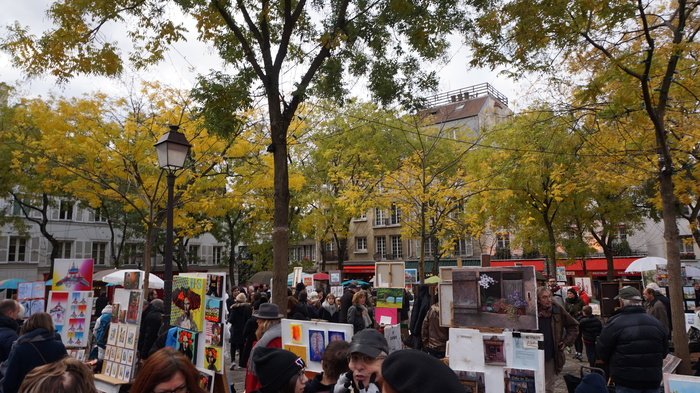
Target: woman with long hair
point(167, 370)
point(38, 344)
point(358, 314)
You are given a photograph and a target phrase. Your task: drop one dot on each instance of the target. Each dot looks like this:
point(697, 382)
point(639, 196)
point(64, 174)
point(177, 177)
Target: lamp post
point(172, 149)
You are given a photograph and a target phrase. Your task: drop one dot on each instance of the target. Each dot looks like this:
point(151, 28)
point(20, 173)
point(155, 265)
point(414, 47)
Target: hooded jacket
point(272, 338)
point(8, 335)
point(31, 350)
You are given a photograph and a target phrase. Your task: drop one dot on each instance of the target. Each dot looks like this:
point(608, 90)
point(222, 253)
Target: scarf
point(331, 308)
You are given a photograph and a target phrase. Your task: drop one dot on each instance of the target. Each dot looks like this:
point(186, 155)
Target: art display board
point(495, 297)
point(498, 362)
point(337, 291)
point(584, 284)
point(121, 352)
point(201, 335)
point(70, 312)
point(72, 275)
point(561, 273)
point(674, 383)
point(32, 297)
point(389, 275)
point(386, 316)
point(308, 339)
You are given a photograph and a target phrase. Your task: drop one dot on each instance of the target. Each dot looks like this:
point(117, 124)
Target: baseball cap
point(629, 293)
point(368, 342)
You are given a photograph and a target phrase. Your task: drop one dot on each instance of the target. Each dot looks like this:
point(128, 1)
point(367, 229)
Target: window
point(18, 249)
point(395, 215)
point(65, 210)
point(329, 247)
point(428, 246)
point(193, 254)
point(217, 254)
point(362, 217)
point(380, 246)
point(379, 217)
point(463, 247)
point(65, 249)
point(396, 247)
point(360, 244)
point(99, 215)
point(687, 244)
point(133, 254)
point(620, 235)
point(16, 208)
point(503, 241)
point(99, 252)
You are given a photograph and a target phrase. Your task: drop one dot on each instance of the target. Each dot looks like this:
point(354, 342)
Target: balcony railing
point(466, 93)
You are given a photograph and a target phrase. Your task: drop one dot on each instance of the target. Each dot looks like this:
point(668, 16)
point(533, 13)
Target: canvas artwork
point(411, 276)
point(107, 368)
point(213, 358)
point(390, 275)
point(337, 291)
point(132, 312)
point(386, 316)
point(132, 280)
point(213, 334)
point(72, 275)
point(675, 383)
point(689, 293)
point(121, 337)
point(473, 381)
point(295, 332)
point(519, 380)
point(499, 297)
point(334, 277)
point(127, 373)
point(188, 303)
point(70, 312)
point(212, 309)
point(57, 307)
point(215, 285)
point(584, 284)
point(206, 380)
point(35, 306)
point(335, 336)
point(317, 344)
point(24, 290)
point(389, 297)
point(187, 344)
point(298, 350)
point(112, 335)
point(131, 331)
point(494, 351)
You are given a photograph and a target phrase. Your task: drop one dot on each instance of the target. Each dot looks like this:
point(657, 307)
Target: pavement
point(572, 366)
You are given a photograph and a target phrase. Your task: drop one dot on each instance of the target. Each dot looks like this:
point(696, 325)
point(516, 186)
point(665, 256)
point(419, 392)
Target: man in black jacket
point(590, 327)
point(9, 311)
point(633, 344)
point(346, 302)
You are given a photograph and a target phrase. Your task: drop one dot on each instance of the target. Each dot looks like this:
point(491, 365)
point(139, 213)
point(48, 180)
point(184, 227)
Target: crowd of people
point(630, 346)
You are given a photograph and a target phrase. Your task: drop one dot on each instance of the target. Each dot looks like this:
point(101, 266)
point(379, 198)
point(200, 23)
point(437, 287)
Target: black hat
point(268, 311)
point(411, 371)
point(368, 342)
point(275, 367)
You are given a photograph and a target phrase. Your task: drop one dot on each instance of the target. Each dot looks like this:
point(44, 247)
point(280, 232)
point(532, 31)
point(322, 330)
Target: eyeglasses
point(180, 389)
point(360, 357)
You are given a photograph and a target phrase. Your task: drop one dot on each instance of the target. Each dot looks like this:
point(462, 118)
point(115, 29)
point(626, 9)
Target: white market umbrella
point(645, 264)
point(117, 278)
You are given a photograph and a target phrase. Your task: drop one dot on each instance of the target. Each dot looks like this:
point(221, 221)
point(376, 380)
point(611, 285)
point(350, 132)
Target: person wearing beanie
point(279, 371)
point(592, 383)
point(368, 349)
point(240, 312)
point(412, 371)
point(150, 327)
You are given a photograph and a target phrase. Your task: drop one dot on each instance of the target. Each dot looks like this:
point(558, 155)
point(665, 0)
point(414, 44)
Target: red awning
point(594, 266)
point(358, 268)
point(321, 276)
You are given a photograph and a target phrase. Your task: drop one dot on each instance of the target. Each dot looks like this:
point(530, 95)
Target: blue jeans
point(622, 389)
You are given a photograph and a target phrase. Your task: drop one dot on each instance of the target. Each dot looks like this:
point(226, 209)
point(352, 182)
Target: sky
point(185, 60)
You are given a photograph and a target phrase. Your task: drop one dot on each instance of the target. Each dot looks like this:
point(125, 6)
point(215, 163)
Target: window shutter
point(34, 249)
point(78, 249)
point(4, 242)
point(87, 249)
point(78, 212)
point(54, 210)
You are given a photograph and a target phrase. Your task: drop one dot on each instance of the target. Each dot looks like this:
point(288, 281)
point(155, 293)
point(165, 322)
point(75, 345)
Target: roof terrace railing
point(466, 93)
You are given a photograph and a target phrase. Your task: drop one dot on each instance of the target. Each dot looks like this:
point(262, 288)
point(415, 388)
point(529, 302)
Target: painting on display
point(72, 275)
point(31, 296)
point(206, 379)
point(213, 359)
point(389, 297)
point(334, 277)
point(213, 334)
point(298, 350)
point(386, 316)
point(188, 303)
point(473, 381)
point(70, 313)
point(494, 350)
point(390, 275)
point(335, 336)
point(519, 380)
point(215, 285)
point(689, 293)
point(411, 276)
point(295, 332)
point(187, 344)
point(675, 383)
point(317, 344)
point(584, 284)
point(498, 297)
point(133, 308)
point(212, 309)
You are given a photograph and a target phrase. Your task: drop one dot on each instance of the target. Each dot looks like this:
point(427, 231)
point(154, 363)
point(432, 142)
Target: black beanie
point(275, 367)
point(411, 371)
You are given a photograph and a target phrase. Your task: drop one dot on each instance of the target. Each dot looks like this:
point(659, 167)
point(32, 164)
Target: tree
point(325, 41)
point(648, 46)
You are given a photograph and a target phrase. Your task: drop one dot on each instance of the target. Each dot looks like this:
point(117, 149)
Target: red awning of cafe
point(594, 266)
point(358, 268)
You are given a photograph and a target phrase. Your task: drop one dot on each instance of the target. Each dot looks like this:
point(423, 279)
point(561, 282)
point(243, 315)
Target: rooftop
point(466, 93)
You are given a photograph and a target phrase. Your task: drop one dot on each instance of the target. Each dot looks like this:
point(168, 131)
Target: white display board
point(498, 356)
point(308, 339)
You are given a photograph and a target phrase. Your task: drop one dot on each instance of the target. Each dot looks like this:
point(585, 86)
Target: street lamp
point(172, 150)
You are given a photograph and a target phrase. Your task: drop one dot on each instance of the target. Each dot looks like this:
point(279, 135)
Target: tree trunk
point(147, 250)
point(280, 232)
point(551, 250)
point(421, 250)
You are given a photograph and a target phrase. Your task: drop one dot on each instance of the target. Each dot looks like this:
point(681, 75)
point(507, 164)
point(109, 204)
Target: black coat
point(148, 334)
point(420, 308)
point(590, 328)
point(32, 350)
point(633, 344)
point(345, 304)
point(8, 335)
point(238, 316)
point(249, 339)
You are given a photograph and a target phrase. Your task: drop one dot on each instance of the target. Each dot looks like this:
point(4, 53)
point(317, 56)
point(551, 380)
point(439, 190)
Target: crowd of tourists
point(630, 346)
